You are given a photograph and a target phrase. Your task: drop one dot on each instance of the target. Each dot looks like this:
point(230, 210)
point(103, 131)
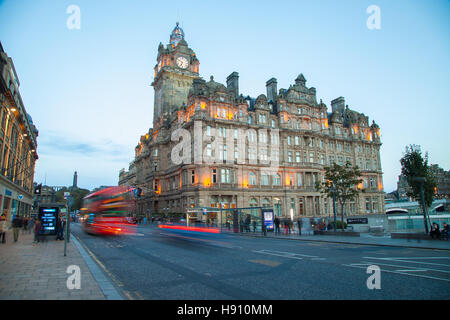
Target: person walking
point(59, 229)
point(37, 230)
point(289, 225)
point(24, 225)
point(444, 232)
point(2, 228)
point(254, 225)
point(30, 225)
point(247, 223)
point(435, 231)
point(17, 224)
point(276, 221)
point(299, 224)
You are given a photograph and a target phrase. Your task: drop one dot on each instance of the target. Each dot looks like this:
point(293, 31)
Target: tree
point(77, 193)
point(415, 166)
point(342, 183)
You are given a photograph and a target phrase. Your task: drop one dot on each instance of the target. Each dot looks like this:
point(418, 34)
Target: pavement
point(40, 271)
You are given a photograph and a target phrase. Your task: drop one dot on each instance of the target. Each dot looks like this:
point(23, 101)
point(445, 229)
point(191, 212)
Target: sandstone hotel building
point(289, 138)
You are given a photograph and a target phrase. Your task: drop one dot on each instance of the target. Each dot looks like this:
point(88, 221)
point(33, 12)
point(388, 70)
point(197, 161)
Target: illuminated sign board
point(48, 217)
point(267, 215)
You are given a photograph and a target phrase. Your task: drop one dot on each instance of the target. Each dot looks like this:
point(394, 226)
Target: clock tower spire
point(177, 66)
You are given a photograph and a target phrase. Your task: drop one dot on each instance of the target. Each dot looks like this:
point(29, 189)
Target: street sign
point(70, 199)
point(357, 220)
point(20, 196)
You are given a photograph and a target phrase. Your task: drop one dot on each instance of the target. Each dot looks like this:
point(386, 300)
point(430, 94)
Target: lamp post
point(421, 181)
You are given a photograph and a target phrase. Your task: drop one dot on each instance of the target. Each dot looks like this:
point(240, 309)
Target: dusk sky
point(88, 90)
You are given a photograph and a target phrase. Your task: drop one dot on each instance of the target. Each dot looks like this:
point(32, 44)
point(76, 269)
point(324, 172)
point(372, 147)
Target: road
point(155, 264)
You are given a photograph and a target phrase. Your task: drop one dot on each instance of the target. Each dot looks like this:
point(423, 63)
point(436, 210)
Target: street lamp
point(421, 181)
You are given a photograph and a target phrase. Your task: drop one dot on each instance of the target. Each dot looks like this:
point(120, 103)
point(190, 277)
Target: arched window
point(266, 202)
point(253, 202)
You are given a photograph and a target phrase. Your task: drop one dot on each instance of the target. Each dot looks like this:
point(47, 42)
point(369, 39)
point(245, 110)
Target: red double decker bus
point(106, 211)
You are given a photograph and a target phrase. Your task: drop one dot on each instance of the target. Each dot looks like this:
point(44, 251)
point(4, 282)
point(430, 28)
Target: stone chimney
point(271, 86)
point(338, 104)
point(233, 83)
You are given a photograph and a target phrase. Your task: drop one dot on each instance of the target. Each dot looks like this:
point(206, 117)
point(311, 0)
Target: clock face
point(182, 62)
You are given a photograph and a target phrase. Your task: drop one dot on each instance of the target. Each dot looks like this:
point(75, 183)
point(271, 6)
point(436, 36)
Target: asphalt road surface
point(157, 264)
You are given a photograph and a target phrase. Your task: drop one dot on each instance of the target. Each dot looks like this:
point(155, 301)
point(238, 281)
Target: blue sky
point(88, 90)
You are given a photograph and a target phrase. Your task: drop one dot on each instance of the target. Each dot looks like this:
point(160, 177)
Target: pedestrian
point(444, 231)
point(59, 229)
point(435, 231)
point(30, 225)
point(254, 226)
point(24, 225)
point(299, 224)
point(37, 230)
point(2, 228)
point(17, 224)
point(276, 221)
point(247, 223)
point(289, 225)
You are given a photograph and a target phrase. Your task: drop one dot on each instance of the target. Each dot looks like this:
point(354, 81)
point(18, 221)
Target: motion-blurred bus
point(106, 211)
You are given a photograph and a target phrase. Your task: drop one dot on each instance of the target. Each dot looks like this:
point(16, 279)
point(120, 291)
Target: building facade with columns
point(211, 146)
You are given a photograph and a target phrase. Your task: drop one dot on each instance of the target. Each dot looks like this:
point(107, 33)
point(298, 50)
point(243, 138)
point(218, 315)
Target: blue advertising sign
point(48, 217)
point(267, 215)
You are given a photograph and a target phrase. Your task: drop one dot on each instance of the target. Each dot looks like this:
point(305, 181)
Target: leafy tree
point(342, 181)
point(414, 166)
point(77, 193)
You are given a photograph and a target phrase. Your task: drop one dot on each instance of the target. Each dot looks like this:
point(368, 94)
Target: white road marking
point(406, 260)
point(283, 254)
point(402, 266)
point(412, 270)
point(360, 266)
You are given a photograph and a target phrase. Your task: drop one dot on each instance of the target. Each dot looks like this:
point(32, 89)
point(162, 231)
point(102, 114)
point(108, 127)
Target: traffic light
point(37, 189)
point(139, 192)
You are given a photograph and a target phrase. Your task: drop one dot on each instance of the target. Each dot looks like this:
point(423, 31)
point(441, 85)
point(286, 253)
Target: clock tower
point(177, 66)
